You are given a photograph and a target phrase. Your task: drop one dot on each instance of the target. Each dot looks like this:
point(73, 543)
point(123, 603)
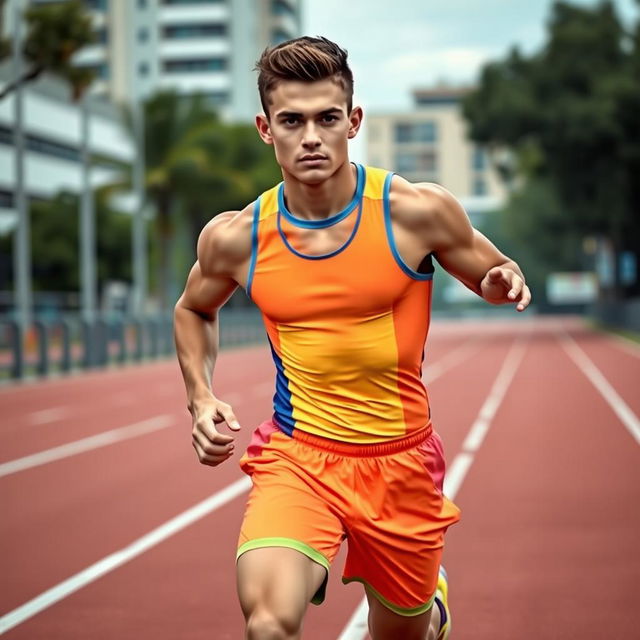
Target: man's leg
point(385, 624)
point(275, 586)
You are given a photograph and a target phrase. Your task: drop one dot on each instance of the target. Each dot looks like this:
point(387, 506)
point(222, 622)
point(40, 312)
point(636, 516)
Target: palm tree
point(55, 33)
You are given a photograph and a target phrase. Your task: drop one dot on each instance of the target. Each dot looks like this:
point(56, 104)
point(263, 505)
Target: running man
point(338, 258)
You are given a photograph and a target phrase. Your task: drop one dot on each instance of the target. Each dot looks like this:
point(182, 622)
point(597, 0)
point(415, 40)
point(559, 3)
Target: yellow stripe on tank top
point(334, 374)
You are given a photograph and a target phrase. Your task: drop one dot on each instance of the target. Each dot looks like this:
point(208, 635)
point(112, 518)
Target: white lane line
point(480, 427)
point(597, 379)
point(86, 444)
point(117, 559)
point(453, 358)
point(48, 415)
point(456, 473)
point(356, 628)
point(625, 344)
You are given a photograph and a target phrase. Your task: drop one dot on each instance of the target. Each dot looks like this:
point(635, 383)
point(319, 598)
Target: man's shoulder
point(225, 241)
point(419, 203)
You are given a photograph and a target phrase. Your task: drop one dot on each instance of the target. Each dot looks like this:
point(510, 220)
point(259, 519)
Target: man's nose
point(310, 135)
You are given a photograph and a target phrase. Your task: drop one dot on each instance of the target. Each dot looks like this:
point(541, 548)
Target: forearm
point(196, 338)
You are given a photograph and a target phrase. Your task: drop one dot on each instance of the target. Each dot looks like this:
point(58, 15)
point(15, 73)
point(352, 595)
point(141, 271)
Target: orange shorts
point(310, 493)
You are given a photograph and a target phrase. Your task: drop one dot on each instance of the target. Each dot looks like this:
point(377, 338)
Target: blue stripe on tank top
point(254, 245)
point(282, 399)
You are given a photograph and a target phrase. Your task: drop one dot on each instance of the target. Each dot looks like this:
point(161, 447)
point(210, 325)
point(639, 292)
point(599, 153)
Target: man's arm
point(462, 250)
point(209, 286)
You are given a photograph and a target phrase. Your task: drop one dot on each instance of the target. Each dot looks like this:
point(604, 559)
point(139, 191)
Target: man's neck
point(320, 201)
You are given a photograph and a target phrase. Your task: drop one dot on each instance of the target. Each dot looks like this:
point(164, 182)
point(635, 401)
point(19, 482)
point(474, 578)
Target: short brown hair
point(305, 59)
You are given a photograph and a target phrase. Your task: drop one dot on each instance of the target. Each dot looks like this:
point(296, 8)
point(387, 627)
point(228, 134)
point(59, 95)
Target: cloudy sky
point(396, 45)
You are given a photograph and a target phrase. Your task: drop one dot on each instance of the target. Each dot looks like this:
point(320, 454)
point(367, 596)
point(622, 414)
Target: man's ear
point(264, 128)
point(355, 120)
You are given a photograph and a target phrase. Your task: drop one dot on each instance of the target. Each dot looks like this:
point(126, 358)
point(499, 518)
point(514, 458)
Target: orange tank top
point(346, 329)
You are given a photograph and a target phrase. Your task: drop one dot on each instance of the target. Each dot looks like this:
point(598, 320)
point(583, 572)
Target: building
point(206, 46)
point(52, 126)
point(430, 144)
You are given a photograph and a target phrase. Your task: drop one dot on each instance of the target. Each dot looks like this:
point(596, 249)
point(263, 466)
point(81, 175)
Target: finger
point(525, 299)
point(226, 412)
point(495, 274)
point(205, 458)
point(516, 287)
point(205, 425)
point(211, 448)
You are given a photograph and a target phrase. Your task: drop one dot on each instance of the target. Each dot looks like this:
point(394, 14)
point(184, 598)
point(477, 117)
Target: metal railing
point(67, 343)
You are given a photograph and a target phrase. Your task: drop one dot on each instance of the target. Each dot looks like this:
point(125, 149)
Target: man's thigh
point(278, 580)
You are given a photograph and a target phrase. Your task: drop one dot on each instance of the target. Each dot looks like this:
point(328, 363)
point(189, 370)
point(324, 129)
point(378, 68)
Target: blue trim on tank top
point(283, 409)
point(254, 245)
point(322, 256)
point(416, 275)
point(334, 219)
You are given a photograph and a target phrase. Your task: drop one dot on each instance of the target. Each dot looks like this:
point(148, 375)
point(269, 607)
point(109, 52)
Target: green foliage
point(55, 32)
point(570, 113)
point(196, 167)
point(55, 249)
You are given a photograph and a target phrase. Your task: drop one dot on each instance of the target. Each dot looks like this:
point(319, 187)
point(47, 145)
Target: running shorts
point(310, 493)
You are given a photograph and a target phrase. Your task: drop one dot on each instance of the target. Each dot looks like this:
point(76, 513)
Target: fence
point(64, 344)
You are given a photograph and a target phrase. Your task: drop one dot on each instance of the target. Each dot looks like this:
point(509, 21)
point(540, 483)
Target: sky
point(398, 45)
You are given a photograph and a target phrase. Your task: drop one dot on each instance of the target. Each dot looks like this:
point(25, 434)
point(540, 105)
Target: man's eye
point(329, 118)
point(291, 121)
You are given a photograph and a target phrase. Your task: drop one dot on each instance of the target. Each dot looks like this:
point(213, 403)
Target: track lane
point(67, 514)
point(548, 542)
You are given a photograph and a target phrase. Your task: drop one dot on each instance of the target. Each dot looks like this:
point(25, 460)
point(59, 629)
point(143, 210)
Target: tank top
point(346, 329)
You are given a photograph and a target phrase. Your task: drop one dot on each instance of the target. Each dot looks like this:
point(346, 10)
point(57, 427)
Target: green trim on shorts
point(415, 611)
point(290, 543)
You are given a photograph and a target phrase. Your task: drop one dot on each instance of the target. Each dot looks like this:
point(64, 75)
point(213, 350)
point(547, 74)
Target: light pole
point(22, 237)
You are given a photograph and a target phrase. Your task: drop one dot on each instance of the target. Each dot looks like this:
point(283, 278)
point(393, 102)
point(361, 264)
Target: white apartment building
point(53, 134)
point(206, 46)
point(430, 144)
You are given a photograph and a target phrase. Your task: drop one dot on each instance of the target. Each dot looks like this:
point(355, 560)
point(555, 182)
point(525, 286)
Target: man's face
point(309, 128)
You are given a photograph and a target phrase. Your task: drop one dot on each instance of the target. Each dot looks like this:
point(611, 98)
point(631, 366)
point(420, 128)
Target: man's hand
point(503, 285)
point(212, 446)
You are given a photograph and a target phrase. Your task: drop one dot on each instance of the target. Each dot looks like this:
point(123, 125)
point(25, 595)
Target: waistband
point(385, 448)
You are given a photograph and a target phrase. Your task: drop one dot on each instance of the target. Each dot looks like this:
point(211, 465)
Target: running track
point(540, 424)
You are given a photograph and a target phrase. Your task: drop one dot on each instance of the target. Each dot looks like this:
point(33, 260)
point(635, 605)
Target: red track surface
point(547, 547)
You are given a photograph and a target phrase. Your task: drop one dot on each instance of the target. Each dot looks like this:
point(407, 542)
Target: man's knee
point(267, 624)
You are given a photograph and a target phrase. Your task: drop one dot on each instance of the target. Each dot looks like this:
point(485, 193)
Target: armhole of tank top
point(415, 275)
point(254, 245)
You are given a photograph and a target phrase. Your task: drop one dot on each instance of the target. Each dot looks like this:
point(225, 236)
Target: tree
point(55, 244)
point(55, 33)
point(196, 167)
point(569, 112)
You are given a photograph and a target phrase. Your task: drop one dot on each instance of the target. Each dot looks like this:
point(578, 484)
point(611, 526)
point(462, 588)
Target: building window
point(217, 98)
point(142, 4)
point(278, 36)
point(425, 131)
point(6, 199)
point(101, 5)
point(143, 69)
point(203, 30)
point(102, 35)
point(479, 186)
point(416, 132)
point(281, 8)
point(424, 162)
point(195, 66)
point(101, 70)
point(143, 34)
point(479, 159)
point(169, 2)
